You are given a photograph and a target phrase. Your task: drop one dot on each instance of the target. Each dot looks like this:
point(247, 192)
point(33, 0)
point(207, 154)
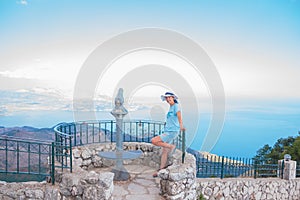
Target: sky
point(254, 45)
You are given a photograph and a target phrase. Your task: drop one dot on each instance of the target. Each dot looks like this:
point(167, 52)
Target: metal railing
point(224, 167)
point(298, 169)
point(90, 132)
point(24, 160)
point(27, 159)
point(32, 160)
point(35, 160)
point(62, 151)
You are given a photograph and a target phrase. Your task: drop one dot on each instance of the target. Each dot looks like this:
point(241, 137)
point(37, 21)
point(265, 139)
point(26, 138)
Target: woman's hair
point(163, 97)
point(174, 96)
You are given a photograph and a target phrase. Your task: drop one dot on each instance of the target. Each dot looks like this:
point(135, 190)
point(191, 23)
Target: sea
point(245, 129)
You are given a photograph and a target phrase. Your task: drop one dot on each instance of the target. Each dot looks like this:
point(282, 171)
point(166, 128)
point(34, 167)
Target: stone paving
point(140, 186)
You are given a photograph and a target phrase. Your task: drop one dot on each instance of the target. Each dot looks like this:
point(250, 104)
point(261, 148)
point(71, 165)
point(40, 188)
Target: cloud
point(27, 73)
point(55, 73)
point(22, 2)
point(7, 83)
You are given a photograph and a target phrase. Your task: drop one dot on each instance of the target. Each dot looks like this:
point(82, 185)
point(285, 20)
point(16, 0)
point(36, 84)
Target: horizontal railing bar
point(25, 140)
point(21, 172)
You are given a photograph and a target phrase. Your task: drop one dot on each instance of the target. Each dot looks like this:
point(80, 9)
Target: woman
point(173, 126)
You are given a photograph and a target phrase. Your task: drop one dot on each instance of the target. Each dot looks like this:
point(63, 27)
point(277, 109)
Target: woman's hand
point(182, 128)
point(180, 121)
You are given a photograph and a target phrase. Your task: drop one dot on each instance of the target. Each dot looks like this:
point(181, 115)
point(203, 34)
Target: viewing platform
point(72, 164)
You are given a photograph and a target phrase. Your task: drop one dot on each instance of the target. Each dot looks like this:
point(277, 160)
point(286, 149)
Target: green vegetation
point(200, 197)
point(290, 145)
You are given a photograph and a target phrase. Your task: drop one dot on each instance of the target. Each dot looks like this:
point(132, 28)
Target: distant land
point(246, 129)
point(47, 135)
point(27, 132)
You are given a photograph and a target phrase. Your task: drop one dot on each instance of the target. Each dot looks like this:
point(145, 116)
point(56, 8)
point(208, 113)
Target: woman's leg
point(166, 149)
point(158, 142)
point(164, 157)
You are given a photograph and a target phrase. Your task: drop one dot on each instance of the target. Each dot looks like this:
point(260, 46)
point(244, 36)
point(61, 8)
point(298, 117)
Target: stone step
point(140, 186)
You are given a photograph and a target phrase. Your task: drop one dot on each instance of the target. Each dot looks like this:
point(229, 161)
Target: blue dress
point(172, 127)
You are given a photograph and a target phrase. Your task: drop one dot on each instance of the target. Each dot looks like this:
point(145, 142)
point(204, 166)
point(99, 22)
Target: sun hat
point(168, 94)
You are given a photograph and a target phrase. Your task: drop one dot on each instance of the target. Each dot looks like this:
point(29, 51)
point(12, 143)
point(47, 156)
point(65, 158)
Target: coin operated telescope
point(119, 112)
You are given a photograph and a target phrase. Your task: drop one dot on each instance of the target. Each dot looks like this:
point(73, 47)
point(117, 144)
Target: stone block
point(34, 194)
point(68, 180)
point(86, 154)
point(93, 192)
point(289, 169)
point(92, 178)
point(76, 153)
point(86, 162)
point(106, 179)
point(97, 161)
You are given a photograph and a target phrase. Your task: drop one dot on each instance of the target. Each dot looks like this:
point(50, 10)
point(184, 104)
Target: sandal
point(168, 165)
point(156, 173)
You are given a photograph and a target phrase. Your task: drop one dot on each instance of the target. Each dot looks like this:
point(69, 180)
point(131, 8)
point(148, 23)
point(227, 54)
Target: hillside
point(27, 132)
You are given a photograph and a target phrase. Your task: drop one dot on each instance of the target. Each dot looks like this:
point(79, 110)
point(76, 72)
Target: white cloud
point(249, 74)
point(23, 2)
point(55, 73)
point(128, 63)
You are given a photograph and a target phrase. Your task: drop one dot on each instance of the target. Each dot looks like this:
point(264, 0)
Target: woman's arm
point(180, 121)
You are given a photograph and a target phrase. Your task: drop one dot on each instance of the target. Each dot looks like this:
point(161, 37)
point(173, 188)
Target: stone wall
point(86, 157)
point(87, 185)
point(84, 185)
point(177, 182)
point(248, 188)
point(27, 190)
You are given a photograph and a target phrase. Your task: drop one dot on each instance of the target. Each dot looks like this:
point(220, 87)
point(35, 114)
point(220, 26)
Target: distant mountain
point(27, 132)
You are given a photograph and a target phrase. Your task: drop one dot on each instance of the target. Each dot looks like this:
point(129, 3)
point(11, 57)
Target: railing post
point(80, 135)
point(130, 128)
point(6, 156)
point(222, 168)
point(52, 164)
point(71, 154)
point(40, 158)
point(111, 131)
point(93, 132)
point(143, 131)
point(69, 126)
point(136, 131)
point(183, 146)
point(75, 135)
point(18, 157)
point(28, 151)
point(255, 168)
point(282, 169)
point(87, 133)
point(149, 131)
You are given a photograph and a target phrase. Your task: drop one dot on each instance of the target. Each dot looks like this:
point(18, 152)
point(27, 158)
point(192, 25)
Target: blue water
point(244, 131)
point(243, 136)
